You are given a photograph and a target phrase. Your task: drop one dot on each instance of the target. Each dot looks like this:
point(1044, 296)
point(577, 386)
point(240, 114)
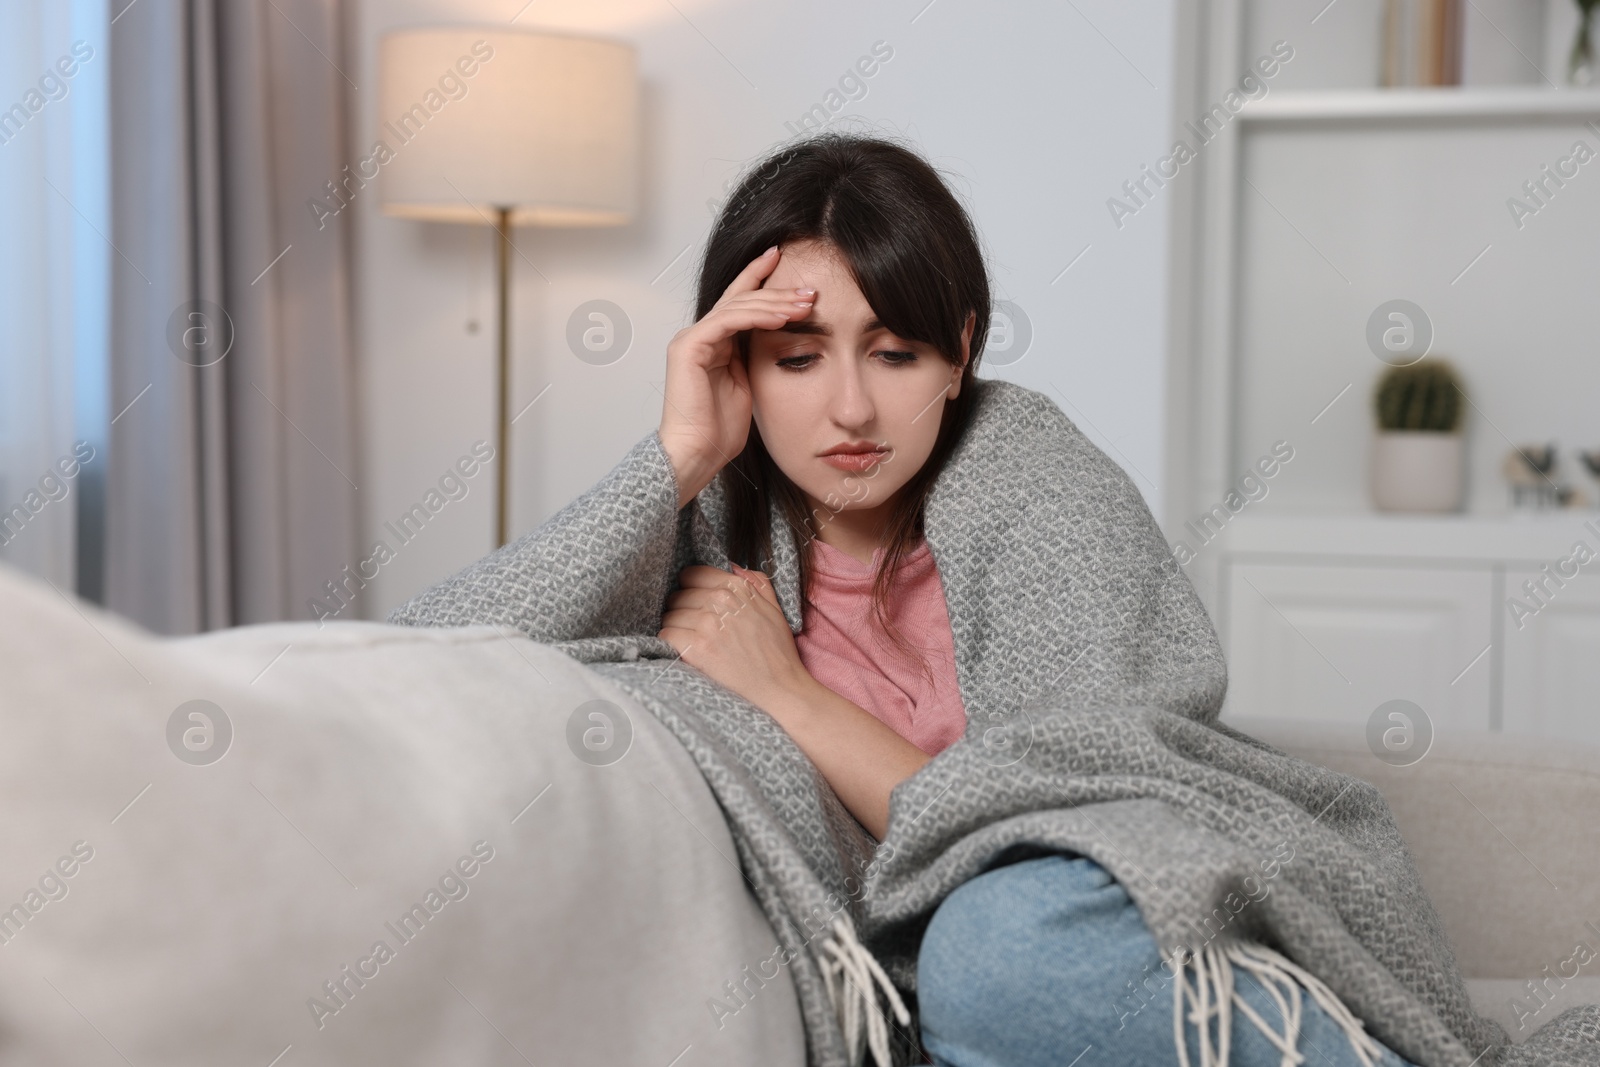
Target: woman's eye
point(893, 357)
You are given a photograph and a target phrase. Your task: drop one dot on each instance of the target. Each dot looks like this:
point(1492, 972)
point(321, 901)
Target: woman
point(823, 435)
point(820, 380)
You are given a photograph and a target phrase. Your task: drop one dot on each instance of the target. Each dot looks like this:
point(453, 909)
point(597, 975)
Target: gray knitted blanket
point(1092, 677)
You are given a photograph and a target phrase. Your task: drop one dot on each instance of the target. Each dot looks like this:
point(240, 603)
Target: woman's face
point(847, 410)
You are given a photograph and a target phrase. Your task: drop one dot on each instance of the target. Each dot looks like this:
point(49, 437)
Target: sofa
point(300, 844)
point(1505, 832)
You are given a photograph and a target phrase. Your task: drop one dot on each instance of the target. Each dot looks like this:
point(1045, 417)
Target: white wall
point(1039, 114)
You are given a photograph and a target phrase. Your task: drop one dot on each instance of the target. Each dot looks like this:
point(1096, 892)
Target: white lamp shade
point(479, 119)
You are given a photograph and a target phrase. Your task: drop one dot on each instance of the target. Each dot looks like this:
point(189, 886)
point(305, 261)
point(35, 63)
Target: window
point(55, 258)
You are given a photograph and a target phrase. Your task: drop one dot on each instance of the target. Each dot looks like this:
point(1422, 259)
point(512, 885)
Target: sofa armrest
point(1504, 829)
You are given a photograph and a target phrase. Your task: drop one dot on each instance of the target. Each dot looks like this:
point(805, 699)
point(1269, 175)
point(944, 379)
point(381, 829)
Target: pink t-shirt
point(843, 647)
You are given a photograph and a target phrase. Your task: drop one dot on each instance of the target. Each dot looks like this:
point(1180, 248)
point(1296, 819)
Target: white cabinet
point(1552, 657)
point(1327, 617)
point(1332, 641)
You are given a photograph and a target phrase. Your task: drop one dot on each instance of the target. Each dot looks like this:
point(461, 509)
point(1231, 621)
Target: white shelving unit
point(1307, 210)
point(1435, 104)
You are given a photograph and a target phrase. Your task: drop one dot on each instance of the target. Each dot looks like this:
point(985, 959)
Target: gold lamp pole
point(503, 441)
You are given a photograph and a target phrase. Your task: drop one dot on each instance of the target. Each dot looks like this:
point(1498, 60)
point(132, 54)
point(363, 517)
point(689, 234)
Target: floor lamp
point(498, 127)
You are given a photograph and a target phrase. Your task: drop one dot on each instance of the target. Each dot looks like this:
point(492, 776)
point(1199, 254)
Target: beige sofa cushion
point(1505, 832)
point(1509, 1003)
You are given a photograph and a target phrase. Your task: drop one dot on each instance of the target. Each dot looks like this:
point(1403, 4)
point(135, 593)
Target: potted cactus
point(1418, 457)
point(1580, 61)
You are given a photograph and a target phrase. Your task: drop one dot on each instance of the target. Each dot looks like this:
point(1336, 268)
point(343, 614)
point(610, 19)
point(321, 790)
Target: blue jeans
point(1044, 960)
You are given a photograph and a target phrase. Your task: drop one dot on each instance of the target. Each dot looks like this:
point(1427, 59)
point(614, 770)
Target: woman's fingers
point(753, 274)
point(719, 601)
point(768, 311)
point(725, 322)
point(700, 576)
point(679, 638)
point(709, 338)
point(701, 585)
point(778, 298)
point(683, 621)
point(760, 582)
point(740, 374)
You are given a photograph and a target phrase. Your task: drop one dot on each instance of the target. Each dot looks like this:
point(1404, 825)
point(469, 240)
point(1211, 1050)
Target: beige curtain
point(231, 477)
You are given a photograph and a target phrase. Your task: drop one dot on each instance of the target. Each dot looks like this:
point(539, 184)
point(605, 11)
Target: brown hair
point(914, 254)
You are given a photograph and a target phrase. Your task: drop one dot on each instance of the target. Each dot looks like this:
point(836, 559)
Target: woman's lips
point(856, 461)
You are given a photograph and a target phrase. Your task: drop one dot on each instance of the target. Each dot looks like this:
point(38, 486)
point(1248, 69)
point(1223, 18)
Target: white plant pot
point(1418, 471)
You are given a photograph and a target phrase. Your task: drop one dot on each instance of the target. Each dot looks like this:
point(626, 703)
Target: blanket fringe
point(1212, 995)
point(850, 972)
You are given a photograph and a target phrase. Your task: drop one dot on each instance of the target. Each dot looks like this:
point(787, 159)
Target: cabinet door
point(1552, 657)
point(1309, 641)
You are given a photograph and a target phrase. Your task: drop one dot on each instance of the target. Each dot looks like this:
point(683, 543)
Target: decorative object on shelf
point(1590, 461)
point(1528, 469)
point(1421, 42)
point(1580, 63)
point(1418, 456)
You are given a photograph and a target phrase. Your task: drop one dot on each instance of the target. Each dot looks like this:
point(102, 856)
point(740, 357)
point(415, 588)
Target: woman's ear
point(966, 354)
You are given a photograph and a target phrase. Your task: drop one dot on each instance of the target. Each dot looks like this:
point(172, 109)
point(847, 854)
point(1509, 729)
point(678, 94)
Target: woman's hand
point(705, 417)
point(729, 626)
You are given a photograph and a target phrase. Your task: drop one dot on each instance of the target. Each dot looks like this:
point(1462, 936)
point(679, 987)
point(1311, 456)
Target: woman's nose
point(851, 404)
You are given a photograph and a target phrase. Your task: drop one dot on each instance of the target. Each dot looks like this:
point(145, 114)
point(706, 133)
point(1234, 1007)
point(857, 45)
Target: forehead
point(812, 264)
